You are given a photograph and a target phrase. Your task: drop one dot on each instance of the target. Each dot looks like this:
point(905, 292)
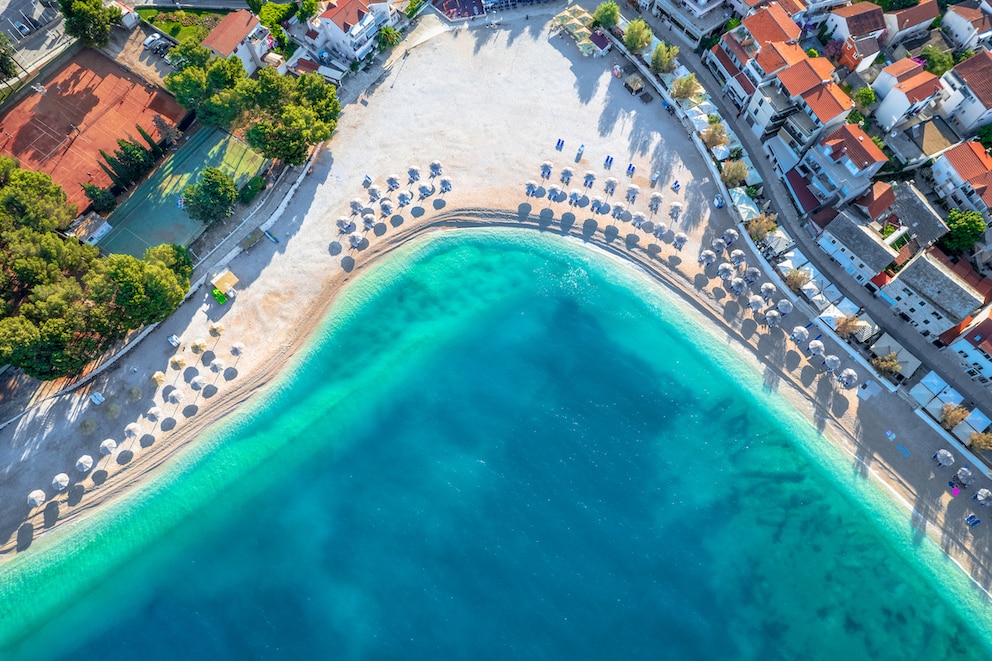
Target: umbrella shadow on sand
point(523, 211)
point(25, 535)
point(75, 495)
point(191, 410)
point(51, 515)
point(99, 476)
point(334, 248)
point(230, 374)
point(146, 441)
point(567, 222)
point(589, 227)
point(168, 424)
point(124, 457)
point(396, 220)
point(348, 263)
point(439, 204)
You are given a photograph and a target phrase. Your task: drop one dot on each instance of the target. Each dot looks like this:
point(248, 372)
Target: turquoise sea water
point(500, 446)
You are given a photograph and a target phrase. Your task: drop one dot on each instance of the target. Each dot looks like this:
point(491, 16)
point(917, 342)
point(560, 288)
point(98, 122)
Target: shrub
point(251, 189)
point(761, 226)
point(980, 441)
point(795, 279)
point(888, 364)
point(733, 173)
point(952, 415)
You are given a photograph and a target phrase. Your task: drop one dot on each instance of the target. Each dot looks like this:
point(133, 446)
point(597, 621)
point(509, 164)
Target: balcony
point(800, 127)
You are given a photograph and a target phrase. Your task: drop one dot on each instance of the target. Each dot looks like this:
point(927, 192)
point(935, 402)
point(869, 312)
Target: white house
point(966, 103)
point(856, 246)
point(974, 346)
point(906, 89)
point(961, 177)
point(349, 28)
point(840, 167)
point(966, 25)
point(241, 34)
point(930, 296)
point(698, 19)
point(859, 26)
point(910, 22)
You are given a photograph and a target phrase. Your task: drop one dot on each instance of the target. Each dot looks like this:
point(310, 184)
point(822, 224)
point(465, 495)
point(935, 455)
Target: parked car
point(174, 340)
point(150, 40)
point(23, 29)
point(718, 201)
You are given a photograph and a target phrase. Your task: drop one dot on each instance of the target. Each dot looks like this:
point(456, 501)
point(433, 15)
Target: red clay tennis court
point(87, 105)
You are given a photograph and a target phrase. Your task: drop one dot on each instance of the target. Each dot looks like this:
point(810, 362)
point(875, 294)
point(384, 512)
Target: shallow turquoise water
point(501, 445)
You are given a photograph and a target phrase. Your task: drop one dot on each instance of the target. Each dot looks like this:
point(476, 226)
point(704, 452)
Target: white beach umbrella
point(132, 430)
point(589, 177)
point(530, 187)
point(176, 396)
point(436, 168)
point(831, 362)
point(414, 173)
point(965, 476)
point(755, 302)
point(393, 181)
point(575, 195)
point(654, 202)
point(799, 334)
point(772, 318)
point(784, 306)
point(154, 413)
point(84, 463)
point(355, 239)
point(554, 190)
point(730, 235)
point(445, 184)
point(751, 274)
point(984, 497)
point(386, 206)
point(610, 185)
point(660, 228)
point(638, 218)
point(768, 290)
point(680, 239)
point(707, 257)
point(597, 203)
point(425, 190)
point(60, 482)
point(815, 347)
point(357, 205)
point(197, 383)
point(633, 191)
point(108, 446)
point(848, 378)
point(342, 222)
point(218, 365)
point(737, 256)
point(945, 458)
point(368, 221)
point(737, 285)
point(619, 209)
point(404, 198)
point(718, 245)
point(374, 192)
point(566, 174)
point(36, 498)
point(725, 270)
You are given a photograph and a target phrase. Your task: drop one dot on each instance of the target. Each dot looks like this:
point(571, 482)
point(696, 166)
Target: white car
point(151, 40)
point(718, 201)
point(174, 340)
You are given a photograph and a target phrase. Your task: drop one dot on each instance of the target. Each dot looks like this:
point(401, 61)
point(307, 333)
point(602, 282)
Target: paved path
point(941, 361)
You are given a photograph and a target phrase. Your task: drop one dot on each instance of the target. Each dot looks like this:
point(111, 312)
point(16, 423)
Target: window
point(923, 304)
point(926, 322)
point(898, 298)
point(912, 309)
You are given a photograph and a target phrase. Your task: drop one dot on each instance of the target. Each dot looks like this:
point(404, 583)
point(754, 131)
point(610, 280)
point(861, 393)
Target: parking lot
point(127, 49)
point(21, 18)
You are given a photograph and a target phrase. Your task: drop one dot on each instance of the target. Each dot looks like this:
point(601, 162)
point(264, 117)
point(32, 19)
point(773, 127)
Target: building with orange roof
point(242, 35)
point(349, 28)
point(770, 23)
point(859, 26)
point(841, 165)
point(910, 23)
point(876, 201)
point(893, 74)
point(914, 91)
point(966, 102)
point(961, 178)
point(967, 24)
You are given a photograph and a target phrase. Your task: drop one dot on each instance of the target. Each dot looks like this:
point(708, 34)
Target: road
point(941, 361)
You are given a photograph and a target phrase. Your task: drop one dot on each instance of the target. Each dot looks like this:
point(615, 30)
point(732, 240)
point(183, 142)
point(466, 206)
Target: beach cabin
point(90, 228)
point(223, 286)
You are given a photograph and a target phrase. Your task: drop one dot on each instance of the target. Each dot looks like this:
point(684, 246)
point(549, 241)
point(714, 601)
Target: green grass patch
point(183, 24)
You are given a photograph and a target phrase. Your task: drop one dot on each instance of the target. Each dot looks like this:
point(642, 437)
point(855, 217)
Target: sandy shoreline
point(287, 290)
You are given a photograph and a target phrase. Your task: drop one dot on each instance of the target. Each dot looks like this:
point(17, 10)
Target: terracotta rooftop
point(805, 75)
point(879, 197)
point(921, 86)
point(867, 45)
point(976, 72)
point(862, 18)
point(972, 12)
point(903, 69)
point(734, 46)
point(792, 7)
point(778, 54)
point(732, 70)
point(345, 14)
point(771, 23)
point(850, 139)
point(969, 160)
point(925, 12)
point(230, 32)
point(828, 101)
point(983, 186)
point(304, 65)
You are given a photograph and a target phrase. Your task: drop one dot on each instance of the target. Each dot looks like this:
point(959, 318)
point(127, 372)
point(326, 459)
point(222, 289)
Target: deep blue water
point(501, 446)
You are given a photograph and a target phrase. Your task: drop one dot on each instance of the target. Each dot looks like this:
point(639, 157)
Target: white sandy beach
point(490, 105)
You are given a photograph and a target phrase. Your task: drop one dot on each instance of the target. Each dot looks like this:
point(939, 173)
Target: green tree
point(685, 87)
point(637, 36)
point(135, 159)
point(255, 6)
point(119, 183)
point(170, 134)
point(734, 173)
point(964, 229)
point(715, 135)
point(90, 21)
point(761, 226)
point(272, 90)
point(211, 198)
point(663, 58)
point(963, 55)
point(153, 146)
point(173, 257)
point(308, 9)
point(31, 199)
point(189, 86)
point(938, 62)
point(222, 109)
point(812, 52)
point(985, 136)
point(388, 37)
point(189, 53)
point(19, 338)
point(864, 97)
point(887, 364)
point(103, 200)
point(607, 14)
point(8, 65)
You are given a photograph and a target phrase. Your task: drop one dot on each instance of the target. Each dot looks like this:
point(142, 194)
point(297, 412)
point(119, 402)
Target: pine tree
point(135, 159)
point(120, 181)
point(156, 149)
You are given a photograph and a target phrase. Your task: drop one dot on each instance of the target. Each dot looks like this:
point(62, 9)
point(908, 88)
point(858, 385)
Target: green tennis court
point(151, 215)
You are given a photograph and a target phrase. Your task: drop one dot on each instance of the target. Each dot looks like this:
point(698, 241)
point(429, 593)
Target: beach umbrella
point(675, 210)
point(784, 306)
point(546, 169)
point(158, 377)
point(132, 430)
point(342, 222)
point(374, 192)
point(984, 497)
point(730, 235)
point(737, 256)
point(618, 209)
point(566, 173)
point(198, 345)
point(60, 482)
point(554, 190)
point(848, 378)
point(772, 318)
point(660, 228)
point(197, 383)
point(404, 198)
point(610, 185)
point(357, 205)
point(393, 182)
point(217, 329)
point(680, 239)
point(176, 396)
point(768, 290)
point(436, 168)
point(445, 184)
point(575, 195)
point(84, 463)
point(355, 239)
point(426, 190)
point(755, 302)
point(725, 270)
point(218, 365)
point(414, 173)
point(154, 413)
point(945, 458)
point(751, 274)
point(737, 285)
point(638, 218)
point(815, 347)
point(654, 201)
point(368, 221)
point(386, 206)
point(718, 246)
point(36, 498)
point(965, 476)
point(178, 362)
point(238, 349)
point(108, 446)
point(530, 186)
point(707, 257)
point(800, 335)
point(831, 362)
point(590, 177)
point(633, 191)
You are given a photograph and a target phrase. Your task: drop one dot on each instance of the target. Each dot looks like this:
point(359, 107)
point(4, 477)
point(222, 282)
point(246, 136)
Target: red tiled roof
point(231, 30)
point(983, 186)
point(879, 197)
point(824, 217)
point(793, 7)
point(925, 12)
point(770, 24)
point(881, 279)
point(969, 160)
point(976, 72)
point(732, 71)
point(805, 75)
point(778, 54)
point(921, 86)
point(800, 187)
point(972, 12)
point(312, 34)
point(903, 69)
point(851, 139)
point(981, 336)
point(862, 18)
point(828, 101)
point(745, 83)
point(345, 13)
point(735, 47)
point(306, 66)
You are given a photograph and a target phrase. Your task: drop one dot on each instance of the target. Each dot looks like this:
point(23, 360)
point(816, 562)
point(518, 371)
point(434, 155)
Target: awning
point(801, 192)
point(224, 281)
